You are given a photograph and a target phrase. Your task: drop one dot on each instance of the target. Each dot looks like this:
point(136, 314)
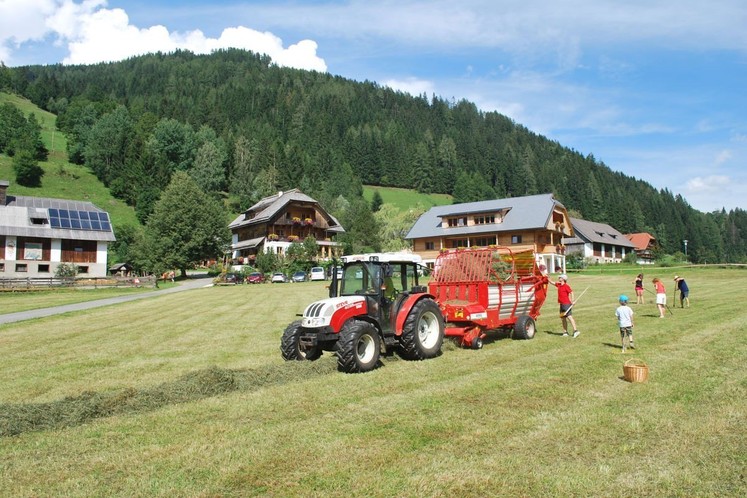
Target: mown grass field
point(186, 395)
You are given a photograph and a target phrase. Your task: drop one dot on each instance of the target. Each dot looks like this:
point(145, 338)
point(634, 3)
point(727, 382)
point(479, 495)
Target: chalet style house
point(598, 242)
point(38, 234)
point(645, 246)
point(275, 222)
point(536, 222)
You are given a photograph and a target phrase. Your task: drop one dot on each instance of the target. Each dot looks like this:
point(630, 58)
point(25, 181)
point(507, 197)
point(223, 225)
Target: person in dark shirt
point(639, 289)
point(684, 291)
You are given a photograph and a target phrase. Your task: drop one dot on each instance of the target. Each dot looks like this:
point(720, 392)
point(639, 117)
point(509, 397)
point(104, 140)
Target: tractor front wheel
point(358, 348)
point(524, 328)
point(423, 332)
point(290, 345)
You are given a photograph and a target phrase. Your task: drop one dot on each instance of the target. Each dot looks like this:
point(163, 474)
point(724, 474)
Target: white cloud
point(95, 34)
point(723, 157)
point(708, 184)
point(23, 20)
point(413, 86)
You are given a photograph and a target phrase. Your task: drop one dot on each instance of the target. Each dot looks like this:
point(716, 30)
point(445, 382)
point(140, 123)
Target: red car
point(255, 278)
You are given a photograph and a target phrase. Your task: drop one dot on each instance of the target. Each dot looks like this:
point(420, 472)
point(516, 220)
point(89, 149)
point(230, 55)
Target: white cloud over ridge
point(95, 34)
point(413, 86)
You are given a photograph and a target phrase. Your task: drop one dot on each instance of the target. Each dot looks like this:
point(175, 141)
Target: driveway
point(193, 282)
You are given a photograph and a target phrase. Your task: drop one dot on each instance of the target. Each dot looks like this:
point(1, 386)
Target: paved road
point(193, 282)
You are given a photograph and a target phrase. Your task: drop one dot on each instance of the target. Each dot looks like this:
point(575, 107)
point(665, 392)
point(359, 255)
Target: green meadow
point(62, 180)
point(186, 395)
point(405, 199)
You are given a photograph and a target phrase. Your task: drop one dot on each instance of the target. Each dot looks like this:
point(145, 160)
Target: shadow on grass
point(552, 332)
point(611, 345)
point(16, 419)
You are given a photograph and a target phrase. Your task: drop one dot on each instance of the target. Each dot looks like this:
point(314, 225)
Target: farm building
point(37, 234)
point(646, 246)
point(277, 221)
point(535, 222)
point(598, 242)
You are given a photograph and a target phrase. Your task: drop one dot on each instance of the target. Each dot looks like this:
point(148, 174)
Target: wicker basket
point(635, 371)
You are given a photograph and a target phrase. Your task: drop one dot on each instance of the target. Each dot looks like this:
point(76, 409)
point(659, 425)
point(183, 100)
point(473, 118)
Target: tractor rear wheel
point(358, 348)
point(525, 328)
point(423, 333)
point(290, 345)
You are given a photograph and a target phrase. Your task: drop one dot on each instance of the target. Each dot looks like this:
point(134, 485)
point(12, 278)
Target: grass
point(12, 302)
point(405, 199)
point(62, 180)
point(186, 394)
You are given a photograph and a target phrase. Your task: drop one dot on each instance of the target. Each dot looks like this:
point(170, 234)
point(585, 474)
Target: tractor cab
point(382, 278)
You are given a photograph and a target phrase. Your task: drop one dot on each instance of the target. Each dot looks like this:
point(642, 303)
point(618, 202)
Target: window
point(484, 241)
point(484, 219)
point(32, 250)
point(82, 269)
point(516, 239)
point(43, 268)
point(39, 221)
point(22, 267)
point(2, 266)
point(458, 222)
point(454, 243)
point(429, 246)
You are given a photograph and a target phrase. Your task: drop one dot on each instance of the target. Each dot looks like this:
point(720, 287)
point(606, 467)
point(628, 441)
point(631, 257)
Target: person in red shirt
point(661, 296)
point(565, 299)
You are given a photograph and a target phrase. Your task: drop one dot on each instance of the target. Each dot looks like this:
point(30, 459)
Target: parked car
point(299, 276)
point(255, 277)
point(317, 273)
point(278, 278)
point(232, 278)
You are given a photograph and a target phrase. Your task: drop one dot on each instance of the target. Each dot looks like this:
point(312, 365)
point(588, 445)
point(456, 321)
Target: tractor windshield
point(361, 277)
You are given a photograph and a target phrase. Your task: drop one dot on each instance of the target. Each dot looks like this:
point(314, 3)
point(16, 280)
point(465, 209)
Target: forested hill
point(242, 125)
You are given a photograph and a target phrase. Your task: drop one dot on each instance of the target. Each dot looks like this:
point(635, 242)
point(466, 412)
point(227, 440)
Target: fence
point(40, 283)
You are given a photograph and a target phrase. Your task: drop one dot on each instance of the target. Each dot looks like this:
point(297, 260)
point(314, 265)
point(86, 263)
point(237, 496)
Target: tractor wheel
point(524, 328)
point(290, 345)
point(423, 332)
point(358, 347)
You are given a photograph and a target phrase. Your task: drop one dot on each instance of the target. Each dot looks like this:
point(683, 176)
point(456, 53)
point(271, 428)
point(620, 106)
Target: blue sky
point(654, 89)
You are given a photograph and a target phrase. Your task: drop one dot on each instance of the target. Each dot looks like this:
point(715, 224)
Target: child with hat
point(624, 314)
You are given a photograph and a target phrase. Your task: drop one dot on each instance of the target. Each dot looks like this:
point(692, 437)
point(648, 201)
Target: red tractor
point(380, 306)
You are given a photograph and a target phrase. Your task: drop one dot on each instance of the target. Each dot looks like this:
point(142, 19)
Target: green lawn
point(62, 180)
point(187, 395)
point(404, 198)
point(12, 302)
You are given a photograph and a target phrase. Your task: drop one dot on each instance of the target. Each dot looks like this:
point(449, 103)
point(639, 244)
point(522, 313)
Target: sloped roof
point(16, 215)
point(267, 208)
point(524, 213)
point(591, 231)
point(248, 244)
point(641, 240)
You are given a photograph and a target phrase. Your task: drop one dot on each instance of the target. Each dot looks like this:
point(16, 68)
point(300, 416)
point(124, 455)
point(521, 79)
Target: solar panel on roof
point(79, 219)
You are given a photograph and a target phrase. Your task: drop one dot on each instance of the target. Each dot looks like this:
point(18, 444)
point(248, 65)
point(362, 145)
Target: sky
point(654, 89)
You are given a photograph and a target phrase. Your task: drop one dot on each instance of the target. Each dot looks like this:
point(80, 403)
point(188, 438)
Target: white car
point(278, 278)
point(317, 273)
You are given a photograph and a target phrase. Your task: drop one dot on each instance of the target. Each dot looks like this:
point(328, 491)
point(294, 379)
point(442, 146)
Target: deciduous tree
point(186, 226)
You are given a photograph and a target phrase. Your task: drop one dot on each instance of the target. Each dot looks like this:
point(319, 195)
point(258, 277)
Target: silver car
point(278, 278)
